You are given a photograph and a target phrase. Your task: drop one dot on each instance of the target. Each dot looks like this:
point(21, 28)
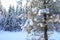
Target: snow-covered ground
point(13, 35)
point(23, 35)
point(55, 36)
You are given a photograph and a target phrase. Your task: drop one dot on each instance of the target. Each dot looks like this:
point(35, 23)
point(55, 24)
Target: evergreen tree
point(41, 13)
point(10, 19)
point(2, 17)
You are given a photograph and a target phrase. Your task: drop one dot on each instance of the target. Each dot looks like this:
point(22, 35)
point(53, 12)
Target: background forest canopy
point(30, 16)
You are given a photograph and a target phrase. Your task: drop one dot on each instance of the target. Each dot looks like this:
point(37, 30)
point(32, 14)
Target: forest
point(37, 16)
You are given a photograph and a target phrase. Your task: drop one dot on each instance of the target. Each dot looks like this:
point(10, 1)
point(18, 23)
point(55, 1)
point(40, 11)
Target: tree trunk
point(45, 28)
point(45, 24)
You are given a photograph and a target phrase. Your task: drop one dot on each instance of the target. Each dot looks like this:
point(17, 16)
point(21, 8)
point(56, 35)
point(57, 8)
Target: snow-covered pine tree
point(10, 24)
point(2, 16)
point(20, 10)
point(35, 15)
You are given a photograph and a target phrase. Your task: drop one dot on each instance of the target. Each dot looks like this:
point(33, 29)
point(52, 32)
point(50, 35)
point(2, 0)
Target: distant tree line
point(10, 20)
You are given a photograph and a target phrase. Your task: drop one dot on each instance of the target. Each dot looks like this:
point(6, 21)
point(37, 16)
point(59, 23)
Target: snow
point(54, 36)
point(13, 35)
point(54, 0)
point(23, 35)
point(28, 22)
point(44, 11)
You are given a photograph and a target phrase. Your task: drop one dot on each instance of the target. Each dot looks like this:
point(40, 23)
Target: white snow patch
point(23, 35)
point(54, 36)
point(13, 35)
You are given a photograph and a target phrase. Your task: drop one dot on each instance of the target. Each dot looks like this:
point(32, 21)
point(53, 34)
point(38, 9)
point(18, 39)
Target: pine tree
point(39, 12)
point(2, 16)
point(10, 19)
